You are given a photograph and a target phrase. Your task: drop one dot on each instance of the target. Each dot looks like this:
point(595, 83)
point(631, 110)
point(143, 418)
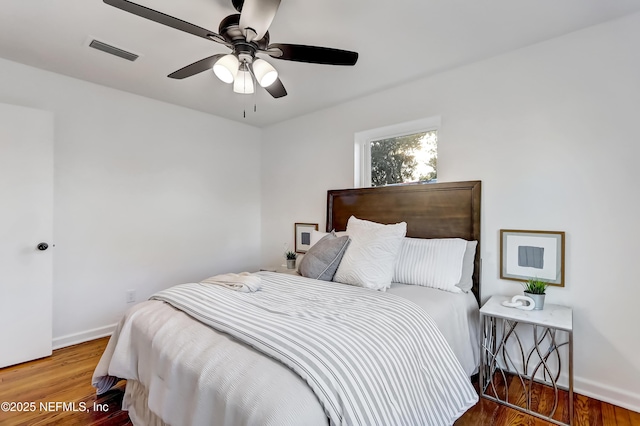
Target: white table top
point(555, 316)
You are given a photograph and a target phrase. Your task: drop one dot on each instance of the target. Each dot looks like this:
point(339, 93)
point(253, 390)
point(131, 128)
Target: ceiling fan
point(246, 34)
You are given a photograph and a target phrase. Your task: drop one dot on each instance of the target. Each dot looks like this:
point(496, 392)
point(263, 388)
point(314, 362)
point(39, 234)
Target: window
point(402, 153)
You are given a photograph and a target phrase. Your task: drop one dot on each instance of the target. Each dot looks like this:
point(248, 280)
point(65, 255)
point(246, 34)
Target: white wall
point(147, 195)
point(551, 130)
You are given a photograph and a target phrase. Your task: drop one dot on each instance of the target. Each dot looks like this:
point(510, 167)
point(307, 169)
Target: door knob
point(43, 246)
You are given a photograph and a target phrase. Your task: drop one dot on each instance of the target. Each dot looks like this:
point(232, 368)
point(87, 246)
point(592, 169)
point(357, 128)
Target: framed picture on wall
point(302, 234)
point(532, 254)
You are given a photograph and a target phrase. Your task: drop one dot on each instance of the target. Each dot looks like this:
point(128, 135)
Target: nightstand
point(281, 270)
point(508, 370)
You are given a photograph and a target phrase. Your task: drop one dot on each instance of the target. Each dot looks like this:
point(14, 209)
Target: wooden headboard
point(431, 210)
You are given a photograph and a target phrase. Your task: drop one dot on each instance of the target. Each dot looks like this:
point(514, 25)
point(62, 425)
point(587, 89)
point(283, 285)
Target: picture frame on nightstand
point(302, 232)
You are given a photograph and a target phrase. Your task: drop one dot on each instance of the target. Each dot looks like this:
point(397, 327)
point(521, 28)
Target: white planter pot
point(538, 299)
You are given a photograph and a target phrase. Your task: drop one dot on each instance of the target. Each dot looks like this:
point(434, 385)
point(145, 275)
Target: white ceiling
point(397, 40)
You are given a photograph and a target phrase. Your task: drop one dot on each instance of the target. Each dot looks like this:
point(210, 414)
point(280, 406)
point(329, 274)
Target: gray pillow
point(322, 259)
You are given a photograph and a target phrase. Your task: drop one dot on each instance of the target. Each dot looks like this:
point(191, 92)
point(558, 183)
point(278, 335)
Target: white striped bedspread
point(371, 358)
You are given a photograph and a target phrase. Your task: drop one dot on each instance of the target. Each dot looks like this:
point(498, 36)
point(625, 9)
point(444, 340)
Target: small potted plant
point(535, 289)
point(291, 259)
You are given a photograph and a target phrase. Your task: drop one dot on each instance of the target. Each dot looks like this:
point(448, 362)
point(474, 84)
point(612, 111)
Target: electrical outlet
point(131, 296)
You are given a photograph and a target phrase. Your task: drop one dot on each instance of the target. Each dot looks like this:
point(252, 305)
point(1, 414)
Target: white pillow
point(435, 263)
point(369, 260)
point(468, 265)
point(317, 236)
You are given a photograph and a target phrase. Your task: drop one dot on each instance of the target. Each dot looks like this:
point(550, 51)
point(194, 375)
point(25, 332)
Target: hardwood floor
point(65, 377)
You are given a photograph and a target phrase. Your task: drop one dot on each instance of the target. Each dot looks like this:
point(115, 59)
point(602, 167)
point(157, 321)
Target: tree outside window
point(404, 159)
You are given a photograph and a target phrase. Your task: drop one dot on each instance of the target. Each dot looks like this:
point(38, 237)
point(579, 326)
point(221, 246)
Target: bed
point(181, 371)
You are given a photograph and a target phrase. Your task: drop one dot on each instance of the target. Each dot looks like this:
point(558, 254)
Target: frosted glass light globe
point(265, 73)
point(226, 68)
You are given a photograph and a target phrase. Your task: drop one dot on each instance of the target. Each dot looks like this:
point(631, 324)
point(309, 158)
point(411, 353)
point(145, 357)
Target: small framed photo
point(303, 236)
point(532, 254)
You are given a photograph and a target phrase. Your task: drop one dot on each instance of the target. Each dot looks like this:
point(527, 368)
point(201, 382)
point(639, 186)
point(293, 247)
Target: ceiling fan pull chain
point(245, 100)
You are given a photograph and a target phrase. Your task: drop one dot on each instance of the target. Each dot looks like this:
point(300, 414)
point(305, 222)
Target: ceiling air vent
point(113, 50)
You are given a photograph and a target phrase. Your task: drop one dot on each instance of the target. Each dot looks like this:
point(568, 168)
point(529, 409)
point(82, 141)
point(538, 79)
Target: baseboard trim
point(606, 393)
point(83, 336)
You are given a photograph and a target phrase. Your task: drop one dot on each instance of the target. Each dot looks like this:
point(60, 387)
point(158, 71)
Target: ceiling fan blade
point(196, 67)
point(276, 89)
point(257, 15)
point(164, 19)
point(312, 54)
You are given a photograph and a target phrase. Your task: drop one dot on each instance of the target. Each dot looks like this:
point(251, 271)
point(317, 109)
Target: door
point(26, 220)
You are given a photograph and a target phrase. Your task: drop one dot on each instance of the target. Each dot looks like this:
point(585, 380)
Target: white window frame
point(362, 147)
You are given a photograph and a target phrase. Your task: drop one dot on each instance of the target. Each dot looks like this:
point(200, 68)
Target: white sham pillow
point(371, 256)
point(435, 263)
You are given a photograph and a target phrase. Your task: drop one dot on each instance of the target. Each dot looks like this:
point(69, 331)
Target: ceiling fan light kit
point(247, 35)
point(230, 69)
